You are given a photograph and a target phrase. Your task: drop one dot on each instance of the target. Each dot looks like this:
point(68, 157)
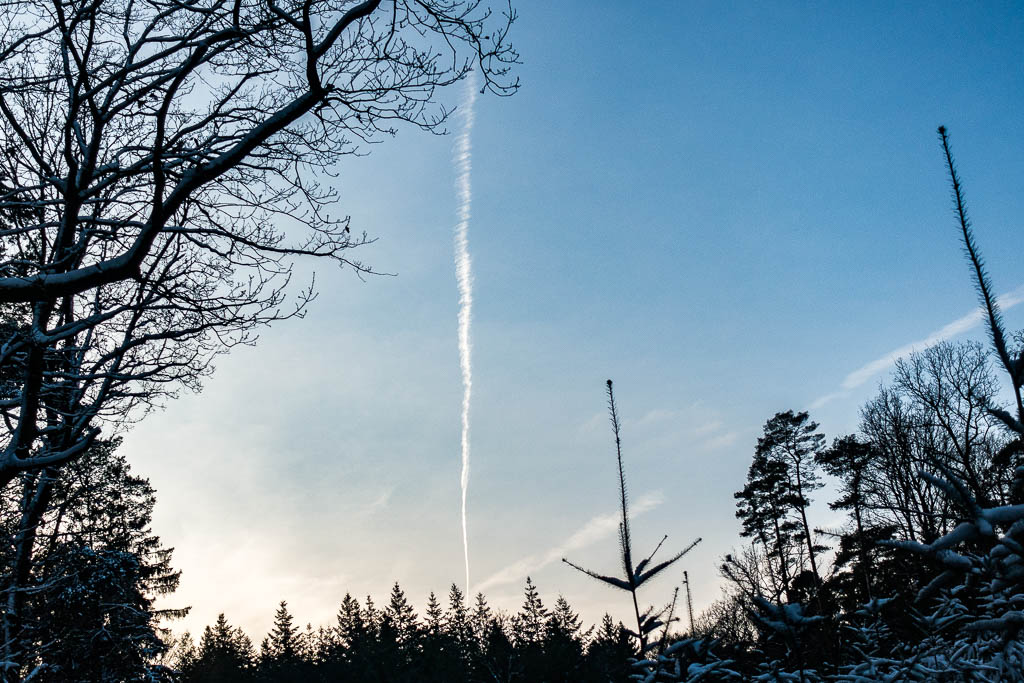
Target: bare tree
point(934, 417)
point(164, 161)
point(163, 164)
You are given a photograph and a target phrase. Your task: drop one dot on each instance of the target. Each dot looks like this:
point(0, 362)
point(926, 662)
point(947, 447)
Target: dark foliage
point(452, 645)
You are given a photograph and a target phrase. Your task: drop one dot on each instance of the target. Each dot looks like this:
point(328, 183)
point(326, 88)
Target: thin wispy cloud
point(378, 503)
point(962, 324)
point(596, 529)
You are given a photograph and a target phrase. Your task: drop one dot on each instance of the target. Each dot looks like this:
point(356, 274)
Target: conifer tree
point(353, 642)
point(609, 652)
point(225, 655)
point(500, 660)
point(848, 460)
point(283, 642)
point(350, 627)
point(480, 620)
point(793, 440)
point(403, 619)
point(457, 620)
point(94, 566)
point(762, 508)
point(529, 622)
point(635, 573)
point(563, 643)
point(528, 634)
point(371, 617)
point(433, 616)
point(458, 628)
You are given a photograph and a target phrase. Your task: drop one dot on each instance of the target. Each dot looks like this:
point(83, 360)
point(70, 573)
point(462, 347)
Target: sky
point(730, 209)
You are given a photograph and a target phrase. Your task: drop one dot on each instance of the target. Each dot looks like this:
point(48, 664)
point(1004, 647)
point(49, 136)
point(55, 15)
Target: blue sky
point(726, 208)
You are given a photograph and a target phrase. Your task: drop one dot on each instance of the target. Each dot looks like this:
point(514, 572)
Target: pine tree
point(762, 507)
point(563, 643)
point(403, 619)
point(529, 622)
point(792, 439)
point(457, 620)
point(635, 574)
point(283, 642)
point(95, 568)
point(609, 653)
point(848, 460)
point(480, 620)
point(225, 654)
point(433, 615)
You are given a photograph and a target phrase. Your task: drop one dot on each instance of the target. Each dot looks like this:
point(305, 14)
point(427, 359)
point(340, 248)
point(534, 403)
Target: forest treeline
point(450, 642)
point(879, 597)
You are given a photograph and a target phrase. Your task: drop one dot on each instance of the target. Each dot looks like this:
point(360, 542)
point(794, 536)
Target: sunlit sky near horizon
point(729, 209)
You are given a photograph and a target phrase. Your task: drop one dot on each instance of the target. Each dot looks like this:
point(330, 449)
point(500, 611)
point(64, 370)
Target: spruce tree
point(609, 652)
point(529, 622)
point(350, 628)
point(95, 568)
point(457, 620)
point(225, 655)
point(635, 574)
point(283, 642)
point(480, 620)
point(433, 616)
point(353, 643)
point(403, 619)
point(459, 629)
point(563, 643)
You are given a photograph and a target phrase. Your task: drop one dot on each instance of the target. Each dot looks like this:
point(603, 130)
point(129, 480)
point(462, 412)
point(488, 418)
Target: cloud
point(597, 528)
point(962, 324)
point(378, 503)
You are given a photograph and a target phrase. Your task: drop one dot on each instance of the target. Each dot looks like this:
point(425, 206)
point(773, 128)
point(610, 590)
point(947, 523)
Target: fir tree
point(609, 653)
point(350, 628)
point(95, 568)
point(529, 622)
point(225, 654)
point(635, 574)
point(563, 643)
point(434, 615)
point(457, 620)
point(403, 619)
point(480, 620)
point(283, 646)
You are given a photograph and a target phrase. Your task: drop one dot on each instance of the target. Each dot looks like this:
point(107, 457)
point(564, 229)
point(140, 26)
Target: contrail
point(464, 277)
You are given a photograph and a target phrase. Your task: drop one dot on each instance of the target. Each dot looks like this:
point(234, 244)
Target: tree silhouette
point(81, 539)
point(225, 654)
point(634, 575)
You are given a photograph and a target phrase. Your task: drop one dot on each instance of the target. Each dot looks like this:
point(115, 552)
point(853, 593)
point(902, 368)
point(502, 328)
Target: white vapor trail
point(464, 278)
